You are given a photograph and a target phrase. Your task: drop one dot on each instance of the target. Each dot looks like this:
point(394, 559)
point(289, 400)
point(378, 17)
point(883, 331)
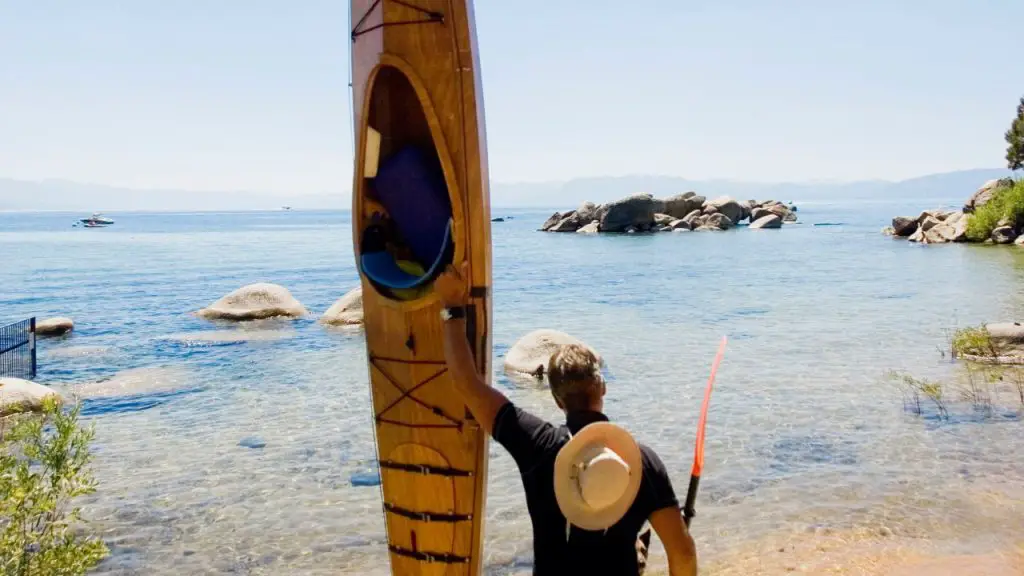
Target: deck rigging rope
point(431, 17)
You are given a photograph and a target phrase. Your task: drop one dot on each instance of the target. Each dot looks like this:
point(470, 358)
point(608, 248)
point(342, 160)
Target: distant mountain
point(954, 186)
point(75, 196)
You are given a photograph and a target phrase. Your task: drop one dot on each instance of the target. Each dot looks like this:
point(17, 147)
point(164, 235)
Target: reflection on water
point(256, 456)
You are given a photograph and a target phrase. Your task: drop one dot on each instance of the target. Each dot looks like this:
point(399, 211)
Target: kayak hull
point(420, 202)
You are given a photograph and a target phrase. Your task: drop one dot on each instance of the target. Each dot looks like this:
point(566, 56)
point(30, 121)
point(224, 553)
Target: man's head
point(574, 373)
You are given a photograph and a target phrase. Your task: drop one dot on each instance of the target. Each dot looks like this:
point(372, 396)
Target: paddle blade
point(698, 457)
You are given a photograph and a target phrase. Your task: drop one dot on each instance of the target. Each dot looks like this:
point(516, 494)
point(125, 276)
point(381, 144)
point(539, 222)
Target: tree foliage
point(44, 467)
point(1015, 140)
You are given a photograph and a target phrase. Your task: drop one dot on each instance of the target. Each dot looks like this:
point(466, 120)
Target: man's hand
point(482, 400)
point(451, 287)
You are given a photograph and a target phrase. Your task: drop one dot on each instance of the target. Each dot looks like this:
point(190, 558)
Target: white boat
point(97, 218)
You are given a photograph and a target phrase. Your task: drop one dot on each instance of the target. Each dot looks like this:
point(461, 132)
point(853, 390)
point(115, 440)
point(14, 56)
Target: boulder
point(941, 233)
point(679, 224)
point(348, 310)
point(917, 236)
point(888, 231)
point(591, 228)
point(551, 221)
point(17, 395)
point(662, 219)
point(747, 206)
point(693, 218)
point(720, 221)
point(767, 221)
point(958, 222)
point(1007, 337)
point(728, 206)
point(985, 193)
point(587, 211)
point(904, 226)
point(570, 223)
point(789, 217)
point(531, 353)
point(636, 210)
point(680, 205)
point(54, 326)
point(255, 302)
point(939, 215)
point(1004, 235)
point(1019, 241)
point(709, 210)
point(929, 222)
point(136, 381)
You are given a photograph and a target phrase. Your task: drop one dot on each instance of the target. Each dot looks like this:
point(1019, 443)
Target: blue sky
point(252, 94)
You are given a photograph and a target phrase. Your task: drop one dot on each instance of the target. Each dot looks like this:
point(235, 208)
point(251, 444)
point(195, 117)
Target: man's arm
point(482, 400)
point(679, 547)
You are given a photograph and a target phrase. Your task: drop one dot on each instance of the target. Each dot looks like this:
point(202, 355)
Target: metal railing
point(18, 349)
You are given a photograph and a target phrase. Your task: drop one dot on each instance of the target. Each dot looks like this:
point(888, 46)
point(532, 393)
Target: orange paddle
point(698, 457)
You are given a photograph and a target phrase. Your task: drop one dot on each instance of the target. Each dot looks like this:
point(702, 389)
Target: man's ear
point(603, 388)
point(557, 400)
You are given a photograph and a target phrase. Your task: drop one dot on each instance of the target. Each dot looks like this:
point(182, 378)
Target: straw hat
point(597, 476)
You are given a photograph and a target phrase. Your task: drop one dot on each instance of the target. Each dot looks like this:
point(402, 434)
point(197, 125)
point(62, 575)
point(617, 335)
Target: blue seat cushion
point(412, 189)
point(381, 268)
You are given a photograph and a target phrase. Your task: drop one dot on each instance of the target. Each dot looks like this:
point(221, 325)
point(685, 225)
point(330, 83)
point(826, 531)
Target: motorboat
point(96, 219)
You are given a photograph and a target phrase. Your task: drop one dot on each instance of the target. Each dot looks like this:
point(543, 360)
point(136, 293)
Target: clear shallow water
point(240, 456)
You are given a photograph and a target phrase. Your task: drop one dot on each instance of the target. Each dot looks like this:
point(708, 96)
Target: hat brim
point(576, 511)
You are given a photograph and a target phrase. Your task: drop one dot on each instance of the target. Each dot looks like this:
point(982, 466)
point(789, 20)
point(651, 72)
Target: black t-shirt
point(534, 443)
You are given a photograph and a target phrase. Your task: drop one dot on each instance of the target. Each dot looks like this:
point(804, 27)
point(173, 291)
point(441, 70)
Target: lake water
point(238, 456)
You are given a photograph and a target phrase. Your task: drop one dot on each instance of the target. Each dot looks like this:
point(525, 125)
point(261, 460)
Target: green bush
point(1006, 203)
point(44, 467)
point(973, 341)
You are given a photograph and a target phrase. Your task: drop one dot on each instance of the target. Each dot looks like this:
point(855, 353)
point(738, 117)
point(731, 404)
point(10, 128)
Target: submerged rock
point(530, 354)
point(348, 310)
point(17, 395)
point(136, 381)
point(255, 302)
point(54, 326)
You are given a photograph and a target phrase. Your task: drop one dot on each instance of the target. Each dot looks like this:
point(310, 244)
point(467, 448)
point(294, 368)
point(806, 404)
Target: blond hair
point(574, 374)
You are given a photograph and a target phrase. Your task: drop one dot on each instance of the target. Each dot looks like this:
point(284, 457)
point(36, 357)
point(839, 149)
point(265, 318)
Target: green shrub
point(44, 467)
point(973, 341)
point(1007, 202)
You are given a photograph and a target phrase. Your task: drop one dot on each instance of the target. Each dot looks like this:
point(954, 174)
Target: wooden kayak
point(421, 201)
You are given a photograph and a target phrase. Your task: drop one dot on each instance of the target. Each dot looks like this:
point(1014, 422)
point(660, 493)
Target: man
point(589, 487)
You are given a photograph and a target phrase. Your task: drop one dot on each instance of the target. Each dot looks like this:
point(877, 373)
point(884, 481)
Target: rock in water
point(254, 442)
point(551, 221)
point(663, 219)
point(985, 193)
point(679, 225)
point(904, 226)
point(1004, 235)
point(720, 221)
point(255, 302)
point(587, 212)
point(636, 210)
point(54, 326)
point(680, 205)
point(347, 310)
point(929, 222)
point(728, 206)
point(531, 353)
point(17, 395)
point(570, 223)
point(767, 221)
point(693, 218)
point(591, 228)
point(1007, 337)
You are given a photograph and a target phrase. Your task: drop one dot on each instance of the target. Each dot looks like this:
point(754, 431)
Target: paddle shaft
point(691, 499)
